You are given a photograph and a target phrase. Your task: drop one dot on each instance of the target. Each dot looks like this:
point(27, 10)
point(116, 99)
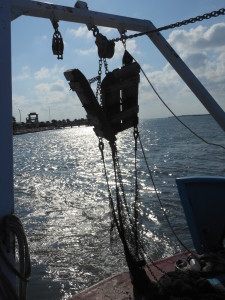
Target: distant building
point(32, 119)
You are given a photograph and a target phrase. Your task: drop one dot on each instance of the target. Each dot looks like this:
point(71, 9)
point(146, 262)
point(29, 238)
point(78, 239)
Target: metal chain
point(95, 30)
point(119, 173)
point(92, 80)
point(114, 221)
point(206, 16)
point(98, 89)
point(106, 66)
point(123, 38)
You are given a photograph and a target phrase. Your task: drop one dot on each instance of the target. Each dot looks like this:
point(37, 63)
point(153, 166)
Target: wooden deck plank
point(119, 286)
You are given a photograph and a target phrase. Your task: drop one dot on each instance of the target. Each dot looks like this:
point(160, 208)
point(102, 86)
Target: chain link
point(124, 39)
point(118, 171)
point(207, 16)
point(106, 66)
point(98, 89)
point(99, 77)
point(95, 30)
point(92, 80)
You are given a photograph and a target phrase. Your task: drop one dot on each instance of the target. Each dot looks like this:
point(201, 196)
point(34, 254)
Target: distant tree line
point(53, 124)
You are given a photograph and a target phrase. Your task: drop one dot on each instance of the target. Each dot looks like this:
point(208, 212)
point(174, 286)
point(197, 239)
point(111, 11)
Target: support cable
point(177, 118)
point(160, 202)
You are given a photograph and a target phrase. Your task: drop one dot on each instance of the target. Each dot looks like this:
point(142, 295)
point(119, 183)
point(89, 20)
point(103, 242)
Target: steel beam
point(76, 15)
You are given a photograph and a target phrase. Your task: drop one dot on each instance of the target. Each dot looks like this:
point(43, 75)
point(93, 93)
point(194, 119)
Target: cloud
point(87, 52)
point(51, 92)
point(43, 73)
point(19, 101)
point(131, 46)
point(46, 73)
point(54, 95)
point(24, 74)
point(81, 32)
point(199, 38)
point(58, 87)
point(202, 49)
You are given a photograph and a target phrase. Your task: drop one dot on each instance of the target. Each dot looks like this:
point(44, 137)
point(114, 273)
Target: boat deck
point(119, 287)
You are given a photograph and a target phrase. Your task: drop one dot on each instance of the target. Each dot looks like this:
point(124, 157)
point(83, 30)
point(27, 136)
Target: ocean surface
point(62, 199)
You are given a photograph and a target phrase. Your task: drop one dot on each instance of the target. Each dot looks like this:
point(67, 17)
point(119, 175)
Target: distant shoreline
point(200, 115)
point(33, 130)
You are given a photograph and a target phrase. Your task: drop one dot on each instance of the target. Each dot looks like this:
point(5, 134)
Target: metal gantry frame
point(12, 9)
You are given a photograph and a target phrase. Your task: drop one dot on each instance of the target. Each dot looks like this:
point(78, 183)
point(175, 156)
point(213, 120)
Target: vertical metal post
point(6, 142)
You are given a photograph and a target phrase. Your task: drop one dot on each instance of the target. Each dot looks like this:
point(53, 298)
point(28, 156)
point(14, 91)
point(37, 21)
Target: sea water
point(61, 197)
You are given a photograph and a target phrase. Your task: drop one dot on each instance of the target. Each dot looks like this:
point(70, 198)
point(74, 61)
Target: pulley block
point(106, 48)
point(57, 44)
point(57, 41)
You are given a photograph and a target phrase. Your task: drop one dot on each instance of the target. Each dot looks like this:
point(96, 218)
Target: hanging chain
point(101, 148)
point(106, 66)
point(99, 79)
point(98, 89)
point(124, 39)
point(206, 16)
point(95, 30)
point(114, 220)
point(119, 173)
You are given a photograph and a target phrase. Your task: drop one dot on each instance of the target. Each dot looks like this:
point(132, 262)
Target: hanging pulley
point(57, 41)
point(106, 48)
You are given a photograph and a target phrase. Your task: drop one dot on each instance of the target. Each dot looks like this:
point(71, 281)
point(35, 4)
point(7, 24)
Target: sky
point(39, 85)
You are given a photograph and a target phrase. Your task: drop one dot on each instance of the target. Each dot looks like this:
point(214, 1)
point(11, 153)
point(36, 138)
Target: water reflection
point(61, 197)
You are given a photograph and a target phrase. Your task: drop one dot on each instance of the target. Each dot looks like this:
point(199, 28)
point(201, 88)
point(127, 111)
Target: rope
point(160, 202)
point(177, 118)
point(11, 225)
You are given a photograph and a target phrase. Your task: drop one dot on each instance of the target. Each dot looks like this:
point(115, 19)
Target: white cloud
point(87, 52)
point(82, 31)
point(43, 73)
point(19, 101)
point(107, 30)
point(199, 38)
point(51, 92)
point(24, 74)
point(202, 49)
point(131, 46)
point(46, 73)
